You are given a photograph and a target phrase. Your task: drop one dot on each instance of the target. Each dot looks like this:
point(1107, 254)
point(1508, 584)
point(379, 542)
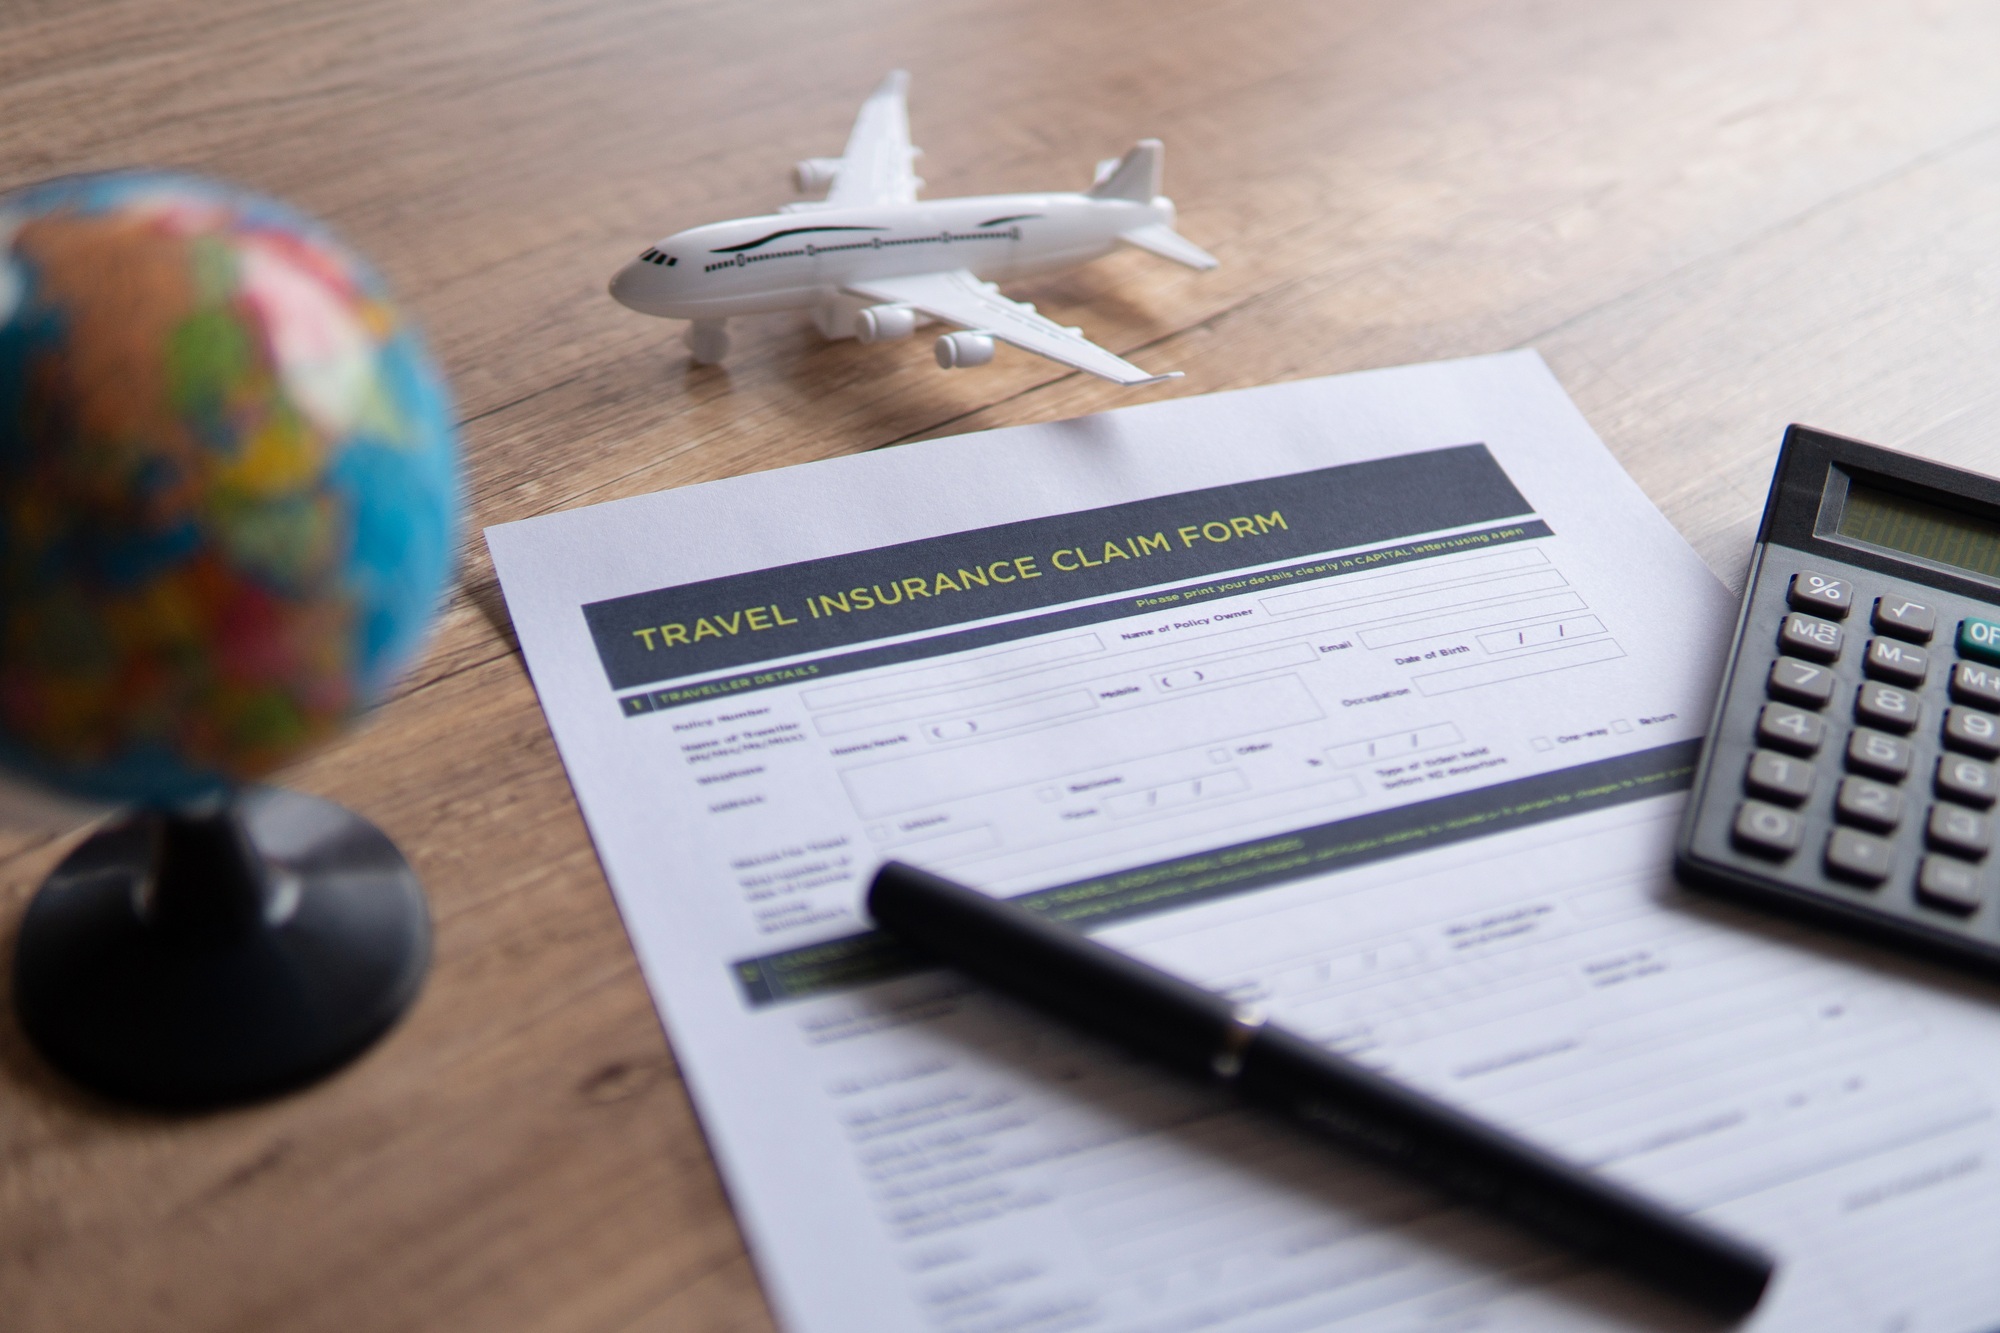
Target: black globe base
point(205, 956)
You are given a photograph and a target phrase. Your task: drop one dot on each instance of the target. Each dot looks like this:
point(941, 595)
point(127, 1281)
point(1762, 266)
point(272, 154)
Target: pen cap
point(1054, 966)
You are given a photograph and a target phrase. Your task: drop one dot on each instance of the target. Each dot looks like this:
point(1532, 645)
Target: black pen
point(1206, 1035)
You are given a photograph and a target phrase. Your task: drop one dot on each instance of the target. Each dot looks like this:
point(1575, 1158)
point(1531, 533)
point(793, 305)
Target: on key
point(1821, 595)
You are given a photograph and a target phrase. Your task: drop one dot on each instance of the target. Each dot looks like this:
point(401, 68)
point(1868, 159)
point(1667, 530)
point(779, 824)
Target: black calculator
point(1849, 772)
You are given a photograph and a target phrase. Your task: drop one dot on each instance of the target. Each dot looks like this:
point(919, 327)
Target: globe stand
point(222, 952)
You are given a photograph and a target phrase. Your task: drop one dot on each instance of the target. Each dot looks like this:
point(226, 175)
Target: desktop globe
point(228, 511)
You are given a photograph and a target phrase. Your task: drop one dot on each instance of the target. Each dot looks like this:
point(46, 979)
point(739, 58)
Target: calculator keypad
point(1870, 804)
point(1896, 662)
point(1864, 773)
point(1811, 638)
point(1887, 708)
point(1803, 683)
point(1966, 781)
point(1954, 829)
point(1778, 777)
point(1904, 618)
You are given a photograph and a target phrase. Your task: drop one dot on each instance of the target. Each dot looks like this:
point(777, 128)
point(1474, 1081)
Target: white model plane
point(872, 262)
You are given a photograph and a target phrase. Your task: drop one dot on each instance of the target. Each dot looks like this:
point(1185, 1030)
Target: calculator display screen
point(1930, 532)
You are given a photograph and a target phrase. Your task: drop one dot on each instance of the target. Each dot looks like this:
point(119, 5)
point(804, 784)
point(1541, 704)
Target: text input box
point(918, 680)
point(1093, 743)
point(1210, 671)
point(1354, 589)
point(1463, 619)
point(987, 722)
point(1516, 665)
point(1534, 636)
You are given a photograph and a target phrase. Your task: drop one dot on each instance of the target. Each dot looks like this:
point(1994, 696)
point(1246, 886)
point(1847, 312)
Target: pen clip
point(1244, 1025)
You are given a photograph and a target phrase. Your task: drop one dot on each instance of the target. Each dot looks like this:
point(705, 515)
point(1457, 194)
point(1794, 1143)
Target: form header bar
point(720, 624)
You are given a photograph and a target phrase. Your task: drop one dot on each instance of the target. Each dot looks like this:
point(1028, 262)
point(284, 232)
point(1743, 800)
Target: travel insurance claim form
point(1370, 699)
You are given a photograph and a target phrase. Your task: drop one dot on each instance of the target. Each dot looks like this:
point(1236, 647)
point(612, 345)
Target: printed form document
point(1372, 699)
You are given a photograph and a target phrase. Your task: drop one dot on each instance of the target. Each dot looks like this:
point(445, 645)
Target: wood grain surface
point(1712, 217)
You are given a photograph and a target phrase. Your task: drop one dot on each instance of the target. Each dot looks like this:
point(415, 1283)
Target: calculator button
point(1975, 684)
point(1781, 778)
point(1768, 829)
point(1898, 662)
point(1883, 755)
point(1790, 728)
point(1821, 595)
point(1887, 707)
point(1904, 618)
point(1869, 804)
point(1949, 886)
point(1966, 781)
point(1799, 682)
point(1979, 638)
point(1971, 731)
point(1958, 830)
point(1803, 636)
point(1858, 856)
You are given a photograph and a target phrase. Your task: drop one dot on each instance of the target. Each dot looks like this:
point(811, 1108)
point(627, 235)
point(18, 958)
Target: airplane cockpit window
point(653, 255)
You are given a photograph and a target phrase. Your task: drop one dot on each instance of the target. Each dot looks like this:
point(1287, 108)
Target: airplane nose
point(631, 284)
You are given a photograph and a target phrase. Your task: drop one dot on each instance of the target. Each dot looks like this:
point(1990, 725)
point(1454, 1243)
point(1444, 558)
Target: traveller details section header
point(719, 624)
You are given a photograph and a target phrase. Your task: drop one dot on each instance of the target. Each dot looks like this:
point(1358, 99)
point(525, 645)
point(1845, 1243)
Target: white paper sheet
point(1282, 690)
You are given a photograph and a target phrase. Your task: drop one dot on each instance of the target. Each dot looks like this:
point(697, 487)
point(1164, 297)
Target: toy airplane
point(871, 262)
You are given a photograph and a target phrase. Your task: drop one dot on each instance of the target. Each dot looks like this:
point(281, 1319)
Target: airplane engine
point(815, 173)
point(958, 350)
point(885, 323)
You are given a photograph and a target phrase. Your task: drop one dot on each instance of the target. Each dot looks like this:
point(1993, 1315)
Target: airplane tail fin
point(1136, 175)
point(1164, 241)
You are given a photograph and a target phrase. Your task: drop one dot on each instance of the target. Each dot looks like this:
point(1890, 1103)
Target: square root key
point(1904, 618)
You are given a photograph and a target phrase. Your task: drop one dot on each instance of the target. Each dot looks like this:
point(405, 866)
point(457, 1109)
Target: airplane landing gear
point(708, 341)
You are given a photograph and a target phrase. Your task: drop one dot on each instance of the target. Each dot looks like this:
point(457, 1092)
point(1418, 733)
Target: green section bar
point(856, 960)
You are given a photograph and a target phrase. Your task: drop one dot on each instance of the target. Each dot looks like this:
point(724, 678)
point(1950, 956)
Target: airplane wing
point(957, 297)
point(875, 169)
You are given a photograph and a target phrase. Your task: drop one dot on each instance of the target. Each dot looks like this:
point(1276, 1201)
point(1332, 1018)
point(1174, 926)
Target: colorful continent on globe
point(228, 486)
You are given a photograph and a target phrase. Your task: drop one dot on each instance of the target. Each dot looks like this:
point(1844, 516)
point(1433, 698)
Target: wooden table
point(1713, 217)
